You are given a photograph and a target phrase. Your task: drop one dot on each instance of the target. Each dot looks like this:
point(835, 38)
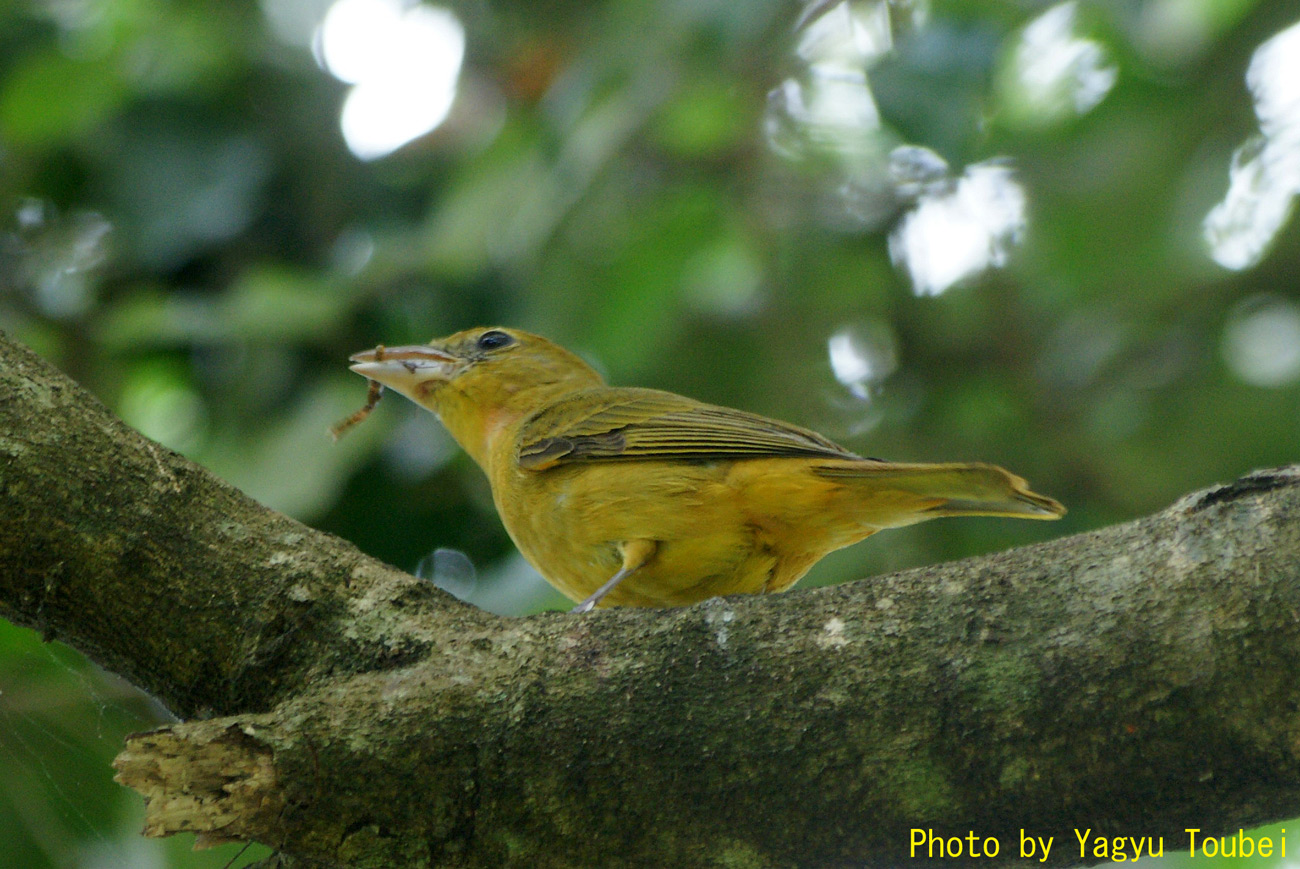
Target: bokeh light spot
point(862, 356)
point(1265, 174)
point(1054, 73)
point(403, 62)
point(1261, 342)
point(161, 404)
point(960, 232)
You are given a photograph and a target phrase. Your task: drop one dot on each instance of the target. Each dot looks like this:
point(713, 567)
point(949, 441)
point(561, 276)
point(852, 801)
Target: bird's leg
point(595, 597)
point(635, 555)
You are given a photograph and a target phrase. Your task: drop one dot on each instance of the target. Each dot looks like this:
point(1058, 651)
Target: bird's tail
point(893, 495)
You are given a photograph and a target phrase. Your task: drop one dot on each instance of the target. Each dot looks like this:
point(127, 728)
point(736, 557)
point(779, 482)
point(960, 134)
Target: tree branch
point(1135, 681)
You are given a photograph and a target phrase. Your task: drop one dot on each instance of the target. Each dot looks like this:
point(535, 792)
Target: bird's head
point(480, 380)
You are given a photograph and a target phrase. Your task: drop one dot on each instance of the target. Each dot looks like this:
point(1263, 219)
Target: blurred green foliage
point(184, 231)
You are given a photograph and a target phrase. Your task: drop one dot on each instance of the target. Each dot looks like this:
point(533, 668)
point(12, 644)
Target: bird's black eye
point(492, 339)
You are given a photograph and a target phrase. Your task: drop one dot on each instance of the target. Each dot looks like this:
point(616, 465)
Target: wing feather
point(609, 424)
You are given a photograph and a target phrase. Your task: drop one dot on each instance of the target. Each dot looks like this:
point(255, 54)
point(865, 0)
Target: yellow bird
point(636, 497)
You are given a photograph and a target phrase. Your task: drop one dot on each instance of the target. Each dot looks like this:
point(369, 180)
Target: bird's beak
point(403, 369)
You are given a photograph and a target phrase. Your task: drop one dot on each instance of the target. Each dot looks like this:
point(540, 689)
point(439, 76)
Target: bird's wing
point(611, 423)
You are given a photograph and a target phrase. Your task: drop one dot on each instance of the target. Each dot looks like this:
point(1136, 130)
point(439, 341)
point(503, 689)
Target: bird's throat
point(476, 428)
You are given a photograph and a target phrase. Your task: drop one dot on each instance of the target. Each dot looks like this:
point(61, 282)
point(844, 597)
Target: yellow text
point(969, 845)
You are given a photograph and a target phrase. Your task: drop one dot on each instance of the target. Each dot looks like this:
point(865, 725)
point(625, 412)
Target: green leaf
point(50, 99)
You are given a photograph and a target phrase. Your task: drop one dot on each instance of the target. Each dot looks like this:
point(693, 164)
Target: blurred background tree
point(1054, 236)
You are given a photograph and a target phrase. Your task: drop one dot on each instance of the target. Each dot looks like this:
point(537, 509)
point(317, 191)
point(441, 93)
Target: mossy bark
point(1135, 681)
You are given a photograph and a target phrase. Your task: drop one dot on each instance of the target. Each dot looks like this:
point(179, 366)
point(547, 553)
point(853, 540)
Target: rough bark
point(1135, 681)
